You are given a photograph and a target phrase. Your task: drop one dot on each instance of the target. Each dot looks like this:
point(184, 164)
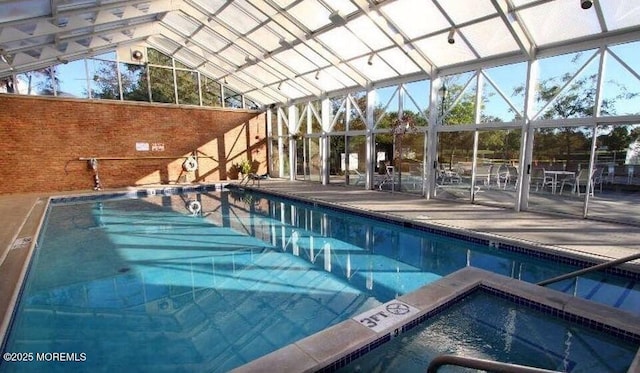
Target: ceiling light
point(370, 60)
point(279, 86)
point(318, 75)
point(450, 38)
point(586, 4)
point(225, 80)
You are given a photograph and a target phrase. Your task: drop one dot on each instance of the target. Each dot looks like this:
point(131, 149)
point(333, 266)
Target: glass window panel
point(135, 85)
point(616, 179)
point(187, 87)
point(338, 107)
point(386, 102)
point(232, 99)
point(558, 156)
point(181, 22)
point(621, 87)
point(455, 156)
point(250, 104)
point(416, 100)
point(498, 168)
point(210, 92)
point(356, 122)
point(554, 72)
point(103, 77)
point(510, 79)
point(356, 161)
point(336, 153)
point(409, 161)
point(575, 101)
point(459, 103)
point(313, 159)
point(156, 57)
point(108, 56)
point(162, 87)
point(72, 79)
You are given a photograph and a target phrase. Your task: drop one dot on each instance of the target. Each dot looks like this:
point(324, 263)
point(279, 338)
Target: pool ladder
point(488, 365)
point(596, 267)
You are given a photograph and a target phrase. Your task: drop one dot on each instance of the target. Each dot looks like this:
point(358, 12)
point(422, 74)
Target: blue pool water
point(145, 285)
point(486, 326)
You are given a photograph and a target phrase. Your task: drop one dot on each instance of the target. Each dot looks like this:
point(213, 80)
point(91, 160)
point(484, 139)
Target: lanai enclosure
point(525, 104)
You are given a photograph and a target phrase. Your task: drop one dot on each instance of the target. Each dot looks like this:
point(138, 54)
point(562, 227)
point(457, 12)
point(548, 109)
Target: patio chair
point(359, 177)
point(580, 180)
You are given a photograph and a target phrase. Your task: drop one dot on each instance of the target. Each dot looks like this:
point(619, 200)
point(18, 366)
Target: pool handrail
point(488, 365)
point(596, 267)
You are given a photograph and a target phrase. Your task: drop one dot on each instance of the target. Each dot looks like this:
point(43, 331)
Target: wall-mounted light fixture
point(586, 4)
point(450, 38)
point(137, 55)
point(370, 60)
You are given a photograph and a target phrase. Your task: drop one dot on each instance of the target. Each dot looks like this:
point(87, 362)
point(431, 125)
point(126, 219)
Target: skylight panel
point(442, 53)
point(399, 60)
point(212, 6)
point(189, 58)
point(373, 68)
point(490, 38)
point(542, 21)
point(311, 14)
point(344, 43)
point(234, 55)
point(344, 7)
point(237, 19)
point(620, 13)
point(332, 79)
point(265, 38)
point(415, 18)
point(181, 23)
point(369, 33)
point(210, 40)
point(314, 55)
point(294, 60)
point(259, 75)
point(464, 11)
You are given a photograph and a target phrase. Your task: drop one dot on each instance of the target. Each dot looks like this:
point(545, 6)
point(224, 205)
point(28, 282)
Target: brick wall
point(42, 139)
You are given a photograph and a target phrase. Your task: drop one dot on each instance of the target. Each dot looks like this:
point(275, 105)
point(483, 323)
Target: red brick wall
point(41, 139)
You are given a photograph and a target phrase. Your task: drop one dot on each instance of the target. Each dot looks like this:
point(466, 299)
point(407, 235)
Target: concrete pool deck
point(21, 215)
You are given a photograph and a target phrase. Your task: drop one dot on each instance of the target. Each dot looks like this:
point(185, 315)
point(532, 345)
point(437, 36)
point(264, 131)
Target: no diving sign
point(386, 315)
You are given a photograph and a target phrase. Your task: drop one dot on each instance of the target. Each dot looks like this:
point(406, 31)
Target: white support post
point(431, 166)
point(526, 142)
point(370, 143)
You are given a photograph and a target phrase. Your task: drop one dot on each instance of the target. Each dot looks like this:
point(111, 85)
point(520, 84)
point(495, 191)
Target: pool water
point(145, 284)
point(489, 327)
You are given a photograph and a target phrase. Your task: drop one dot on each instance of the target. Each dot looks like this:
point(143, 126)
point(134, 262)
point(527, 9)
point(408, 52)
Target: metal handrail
point(596, 267)
point(488, 365)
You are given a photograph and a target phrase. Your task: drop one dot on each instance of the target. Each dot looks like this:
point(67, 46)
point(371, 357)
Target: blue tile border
point(344, 361)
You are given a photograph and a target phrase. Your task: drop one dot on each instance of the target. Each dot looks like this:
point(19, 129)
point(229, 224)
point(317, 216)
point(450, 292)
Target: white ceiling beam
point(518, 32)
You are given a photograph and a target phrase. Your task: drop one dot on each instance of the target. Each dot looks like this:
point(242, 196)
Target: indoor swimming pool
point(208, 280)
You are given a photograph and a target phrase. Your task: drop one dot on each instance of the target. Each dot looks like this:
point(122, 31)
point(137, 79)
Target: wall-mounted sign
point(142, 146)
point(157, 147)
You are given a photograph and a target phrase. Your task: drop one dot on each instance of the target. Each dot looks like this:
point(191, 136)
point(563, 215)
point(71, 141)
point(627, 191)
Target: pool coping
point(336, 346)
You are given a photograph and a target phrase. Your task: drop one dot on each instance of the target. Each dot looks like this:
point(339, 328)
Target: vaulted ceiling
point(278, 51)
